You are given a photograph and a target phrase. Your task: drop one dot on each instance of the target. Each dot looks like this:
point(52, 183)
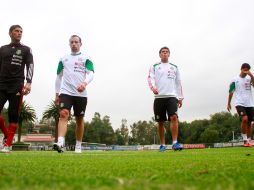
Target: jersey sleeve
point(59, 76)
point(89, 71)
point(231, 87)
point(59, 67)
point(151, 78)
point(179, 89)
point(29, 66)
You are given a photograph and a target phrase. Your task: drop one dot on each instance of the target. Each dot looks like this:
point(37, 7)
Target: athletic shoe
point(247, 144)
point(5, 149)
point(78, 149)
point(177, 146)
point(58, 148)
point(162, 148)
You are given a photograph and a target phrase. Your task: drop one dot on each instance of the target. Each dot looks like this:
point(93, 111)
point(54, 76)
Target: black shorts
point(163, 107)
point(78, 104)
point(249, 111)
point(15, 102)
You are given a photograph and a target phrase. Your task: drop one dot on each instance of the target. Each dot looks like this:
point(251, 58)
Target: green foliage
point(100, 130)
point(218, 128)
point(52, 111)
point(27, 114)
point(70, 138)
point(122, 134)
point(142, 132)
point(209, 169)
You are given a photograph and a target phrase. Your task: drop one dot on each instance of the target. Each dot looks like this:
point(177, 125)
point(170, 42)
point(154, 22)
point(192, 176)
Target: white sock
point(60, 141)
point(174, 142)
point(78, 143)
point(244, 137)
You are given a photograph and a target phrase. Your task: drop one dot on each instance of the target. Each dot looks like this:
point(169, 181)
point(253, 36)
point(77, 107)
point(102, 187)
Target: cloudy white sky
point(209, 40)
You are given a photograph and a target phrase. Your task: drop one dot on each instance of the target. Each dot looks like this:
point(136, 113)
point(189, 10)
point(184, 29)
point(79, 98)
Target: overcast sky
point(208, 39)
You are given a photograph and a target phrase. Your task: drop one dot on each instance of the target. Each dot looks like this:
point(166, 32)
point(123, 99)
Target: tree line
point(220, 127)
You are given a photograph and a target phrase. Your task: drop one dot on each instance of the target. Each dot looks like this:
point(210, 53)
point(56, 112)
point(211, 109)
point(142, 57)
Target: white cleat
point(78, 149)
point(5, 149)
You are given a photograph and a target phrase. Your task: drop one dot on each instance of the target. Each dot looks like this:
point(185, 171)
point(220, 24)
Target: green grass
point(211, 169)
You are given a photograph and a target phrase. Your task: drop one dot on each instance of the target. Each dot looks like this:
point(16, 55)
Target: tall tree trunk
point(56, 130)
point(19, 131)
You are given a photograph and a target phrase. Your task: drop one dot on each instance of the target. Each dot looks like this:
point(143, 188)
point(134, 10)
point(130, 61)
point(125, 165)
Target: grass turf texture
point(211, 169)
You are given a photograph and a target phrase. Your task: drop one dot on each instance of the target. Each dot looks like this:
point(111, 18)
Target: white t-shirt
point(242, 91)
point(165, 77)
point(72, 71)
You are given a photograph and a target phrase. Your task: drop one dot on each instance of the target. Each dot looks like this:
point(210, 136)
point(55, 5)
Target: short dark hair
point(73, 36)
point(13, 27)
point(245, 66)
point(165, 47)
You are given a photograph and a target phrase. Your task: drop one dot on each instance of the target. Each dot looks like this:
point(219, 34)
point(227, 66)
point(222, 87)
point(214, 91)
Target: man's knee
point(173, 118)
point(64, 114)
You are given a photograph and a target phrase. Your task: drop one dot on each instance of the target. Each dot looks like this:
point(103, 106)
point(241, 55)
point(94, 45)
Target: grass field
point(211, 169)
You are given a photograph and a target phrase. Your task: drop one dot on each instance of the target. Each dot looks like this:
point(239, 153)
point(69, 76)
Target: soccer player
point(164, 81)
point(241, 87)
point(75, 71)
point(14, 58)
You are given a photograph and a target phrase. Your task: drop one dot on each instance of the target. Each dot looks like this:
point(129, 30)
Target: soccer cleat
point(247, 144)
point(78, 149)
point(5, 149)
point(177, 146)
point(162, 148)
point(58, 148)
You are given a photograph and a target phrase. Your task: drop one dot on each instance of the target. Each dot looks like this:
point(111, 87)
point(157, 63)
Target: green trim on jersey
point(173, 65)
point(232, 87)
point(89, 65)
point(156, 64)
point(60, 67)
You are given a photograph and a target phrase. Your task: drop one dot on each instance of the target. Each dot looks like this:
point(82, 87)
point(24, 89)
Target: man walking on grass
point(164, 81)
point(244, 104)
point(75, 71)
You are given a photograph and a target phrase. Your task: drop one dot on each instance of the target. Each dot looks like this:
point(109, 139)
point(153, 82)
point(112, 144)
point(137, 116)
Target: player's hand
point(155, 91)
point(82, 87)
point(180, 103)
point(249, 73)
point(229, 107)
point(57, 100)
point(26, 89)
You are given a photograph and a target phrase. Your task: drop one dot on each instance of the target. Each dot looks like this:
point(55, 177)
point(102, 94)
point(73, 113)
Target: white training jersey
point(241, 87)
point(72, 71)
point(165, 78)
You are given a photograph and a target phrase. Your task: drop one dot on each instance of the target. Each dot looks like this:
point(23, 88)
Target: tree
point(27, 114)
point(52, 112)
point(210, 135)
point(100, 130)
point(122, 134)
point(142, 133)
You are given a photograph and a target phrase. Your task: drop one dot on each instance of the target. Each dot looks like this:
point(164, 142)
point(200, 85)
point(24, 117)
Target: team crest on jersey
point(18, 52)
point(79, 63)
